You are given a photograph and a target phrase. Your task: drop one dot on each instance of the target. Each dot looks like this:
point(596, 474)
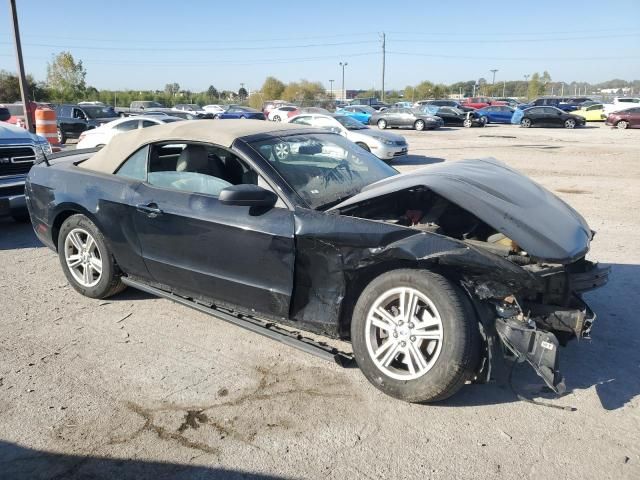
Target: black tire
point(570, 123)
point(460, 351)
point(382, 124)
point(109, 283)
point(525, 122)
point(276, 118)
point(22, 217)
point(622, 125)
point(61, 137)
point(484, 120)
point(364, 146)
point(419, 125)
point(467, 123)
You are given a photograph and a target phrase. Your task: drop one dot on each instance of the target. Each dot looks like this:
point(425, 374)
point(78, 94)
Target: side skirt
point(262, 327)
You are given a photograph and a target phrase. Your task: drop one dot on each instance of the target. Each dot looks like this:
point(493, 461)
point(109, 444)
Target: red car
point(480, 102)
point(629, 118)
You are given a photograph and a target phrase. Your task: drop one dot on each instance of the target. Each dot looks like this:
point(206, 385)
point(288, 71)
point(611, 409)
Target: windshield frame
point(253, 143)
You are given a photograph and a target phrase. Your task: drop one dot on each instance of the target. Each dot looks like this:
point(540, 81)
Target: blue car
point(496, 114)
point(361, 113)
point(238, 111)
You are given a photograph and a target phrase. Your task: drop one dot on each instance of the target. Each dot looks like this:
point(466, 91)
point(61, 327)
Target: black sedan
point(405, 118)
point(550, 117)
point(278, 229)
point(455, 117)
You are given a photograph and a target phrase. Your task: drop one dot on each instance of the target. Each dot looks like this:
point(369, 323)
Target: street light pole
point(24, 87)
point(344, 92)
point(494, 70)
point(331, 88)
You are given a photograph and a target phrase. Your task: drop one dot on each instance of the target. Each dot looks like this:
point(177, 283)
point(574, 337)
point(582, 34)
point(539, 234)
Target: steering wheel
point(334, 173)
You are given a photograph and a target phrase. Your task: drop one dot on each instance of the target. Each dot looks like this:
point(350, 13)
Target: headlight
point(384, 140)
point(41, 150)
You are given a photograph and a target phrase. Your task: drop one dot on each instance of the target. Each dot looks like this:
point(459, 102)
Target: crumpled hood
point(537, 220)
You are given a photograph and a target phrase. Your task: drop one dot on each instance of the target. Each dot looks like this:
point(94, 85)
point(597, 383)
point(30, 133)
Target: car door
point(79, 122)
point(65, 120)
point(234, 255)
point(554, 117)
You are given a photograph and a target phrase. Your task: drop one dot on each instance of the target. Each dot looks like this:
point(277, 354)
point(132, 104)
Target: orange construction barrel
point(46, 125)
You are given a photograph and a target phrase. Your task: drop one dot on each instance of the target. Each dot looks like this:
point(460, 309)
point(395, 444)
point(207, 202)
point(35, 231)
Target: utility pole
point(494, 70)
point(24, 87)
point(384, 54)
point(331, 88)
point(344, 92)
point(504, 87)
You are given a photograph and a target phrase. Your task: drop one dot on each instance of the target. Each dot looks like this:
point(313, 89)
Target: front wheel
point(484, 120)
point(276, 118)
point(414, 335)
point(419, 125)
point(570, 123)
point(622, 125)
point(86, 260)
point(382, 124)
point(525, 122)
point(61, 137)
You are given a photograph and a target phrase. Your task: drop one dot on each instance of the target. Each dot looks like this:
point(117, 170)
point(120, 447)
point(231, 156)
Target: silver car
point(384, 145)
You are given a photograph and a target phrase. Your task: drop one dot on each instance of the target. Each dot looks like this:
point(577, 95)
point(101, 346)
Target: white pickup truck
point(620, 103)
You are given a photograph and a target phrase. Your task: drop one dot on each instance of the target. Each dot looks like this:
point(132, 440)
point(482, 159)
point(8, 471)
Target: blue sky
point(144, 44)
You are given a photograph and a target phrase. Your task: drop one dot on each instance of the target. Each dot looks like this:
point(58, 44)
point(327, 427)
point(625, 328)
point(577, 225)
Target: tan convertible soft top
point(219, 132)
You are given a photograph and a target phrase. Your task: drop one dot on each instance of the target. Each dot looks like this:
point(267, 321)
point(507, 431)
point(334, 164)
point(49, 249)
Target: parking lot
point(139, 387)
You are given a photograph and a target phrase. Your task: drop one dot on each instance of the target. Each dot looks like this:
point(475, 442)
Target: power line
point(473, 57)
point(206, 49)
point(523, 40)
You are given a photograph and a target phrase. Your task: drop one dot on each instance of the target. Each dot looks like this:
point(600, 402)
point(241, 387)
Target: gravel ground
point(138, 387)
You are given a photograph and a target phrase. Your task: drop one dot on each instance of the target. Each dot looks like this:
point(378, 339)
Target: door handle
point(150, 209)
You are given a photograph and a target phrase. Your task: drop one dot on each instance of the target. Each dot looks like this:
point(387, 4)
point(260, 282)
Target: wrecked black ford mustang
point(433, 275)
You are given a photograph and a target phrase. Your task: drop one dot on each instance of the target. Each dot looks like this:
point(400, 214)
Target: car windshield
point(100, 112)
point(323, 168)
point(349, 123)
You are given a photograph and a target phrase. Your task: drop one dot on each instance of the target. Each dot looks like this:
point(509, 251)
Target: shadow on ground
point(416, 160)
point(20, 463)
point(15, 235)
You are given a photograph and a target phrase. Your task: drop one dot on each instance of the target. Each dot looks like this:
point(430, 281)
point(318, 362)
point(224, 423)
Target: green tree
point(10, 88)
point(66, 77)
point(272, 88)
point(242, 93)
point(536, 87)
point(255, 100)
point(171, 89)
point(212, 92)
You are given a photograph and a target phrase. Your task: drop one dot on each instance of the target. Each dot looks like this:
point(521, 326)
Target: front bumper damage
point(532, 329)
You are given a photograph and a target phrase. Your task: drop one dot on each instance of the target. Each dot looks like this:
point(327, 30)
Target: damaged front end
point(517, 249)
point(534, 323)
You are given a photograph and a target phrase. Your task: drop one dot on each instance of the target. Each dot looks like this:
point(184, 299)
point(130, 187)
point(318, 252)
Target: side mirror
point(247, 195)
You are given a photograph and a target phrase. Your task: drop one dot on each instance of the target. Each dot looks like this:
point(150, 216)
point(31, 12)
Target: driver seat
point(195, 158)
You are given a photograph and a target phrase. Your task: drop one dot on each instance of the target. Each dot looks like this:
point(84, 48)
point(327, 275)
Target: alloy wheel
point(419, 125)
point(382, 124)
point(622, 124)
point(467, 123)
point(276, 118)
point(281, 150)
point(570, 123)
point(83, 257)
point(404, 333)
point(526, 123)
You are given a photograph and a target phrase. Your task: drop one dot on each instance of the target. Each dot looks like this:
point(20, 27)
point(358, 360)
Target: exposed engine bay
point(532, 321)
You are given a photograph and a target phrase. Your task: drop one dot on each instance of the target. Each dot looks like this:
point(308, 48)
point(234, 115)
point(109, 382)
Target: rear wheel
point(622, 125)
point(414, 335)
point(86, 260)
point(467, 123)
point(419, 125)
point(525, 122)
point(484, 120)
point(569, 123)
point(364, 146)
point(382, 124)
